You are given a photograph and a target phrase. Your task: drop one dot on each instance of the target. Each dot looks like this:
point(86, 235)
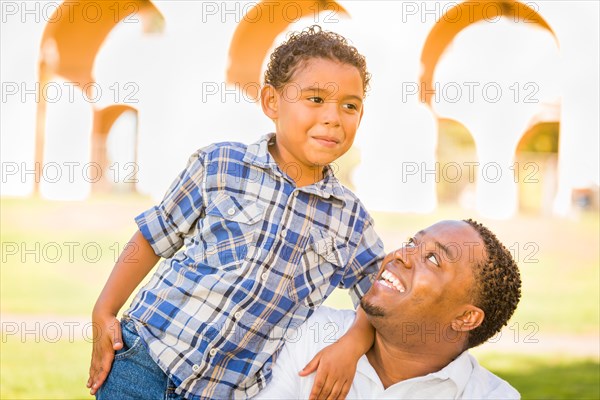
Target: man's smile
point(388, 279)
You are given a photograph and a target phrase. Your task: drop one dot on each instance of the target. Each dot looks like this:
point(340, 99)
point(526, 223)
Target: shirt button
point(264, 276)
point(283, 232)
point(195, 368)
point(237, 315)
point(231, 211)
point(212, 352)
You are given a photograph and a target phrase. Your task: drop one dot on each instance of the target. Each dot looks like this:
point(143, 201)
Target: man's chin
point(371, 310)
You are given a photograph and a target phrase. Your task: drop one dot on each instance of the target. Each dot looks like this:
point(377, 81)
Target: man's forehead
point(456, 238)
point(448, 229)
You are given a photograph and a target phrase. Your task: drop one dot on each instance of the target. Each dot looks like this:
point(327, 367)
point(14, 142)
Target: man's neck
point(394, 364)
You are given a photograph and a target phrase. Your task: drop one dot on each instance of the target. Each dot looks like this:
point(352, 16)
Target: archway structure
point(70, 42)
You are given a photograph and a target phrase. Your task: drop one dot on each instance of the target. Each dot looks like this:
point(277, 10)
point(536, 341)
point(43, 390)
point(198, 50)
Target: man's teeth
point(390, 280)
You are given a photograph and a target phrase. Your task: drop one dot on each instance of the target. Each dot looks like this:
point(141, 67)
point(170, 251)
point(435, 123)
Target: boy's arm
point(336, 364)
point(129, 270)
point(161, 233)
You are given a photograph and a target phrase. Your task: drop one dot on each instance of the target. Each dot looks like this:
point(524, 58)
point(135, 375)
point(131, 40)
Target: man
point(450, 288)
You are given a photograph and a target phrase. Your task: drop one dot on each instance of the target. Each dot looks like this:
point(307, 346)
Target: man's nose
point(403, 255)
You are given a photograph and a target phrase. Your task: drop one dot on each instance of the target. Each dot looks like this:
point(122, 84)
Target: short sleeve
point(365, 264)
point(165, 225)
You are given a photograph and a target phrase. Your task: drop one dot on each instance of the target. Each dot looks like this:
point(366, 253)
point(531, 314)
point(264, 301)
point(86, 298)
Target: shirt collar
point(258, 154)
point(458, 371)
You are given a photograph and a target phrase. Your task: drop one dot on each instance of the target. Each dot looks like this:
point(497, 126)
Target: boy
point(269, 232)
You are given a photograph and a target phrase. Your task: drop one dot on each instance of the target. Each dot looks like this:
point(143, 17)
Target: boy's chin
point(322, 162)
point(324, 159)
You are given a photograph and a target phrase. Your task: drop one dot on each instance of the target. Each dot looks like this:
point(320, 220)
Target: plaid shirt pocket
point(228, 230)
point(324, 261)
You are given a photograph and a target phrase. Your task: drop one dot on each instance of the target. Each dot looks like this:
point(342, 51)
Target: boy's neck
point(310, 178)
point(306, 176)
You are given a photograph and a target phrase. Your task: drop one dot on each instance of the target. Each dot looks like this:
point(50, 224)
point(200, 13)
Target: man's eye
point(410, 242)
point(316, 99)
point(432, 258)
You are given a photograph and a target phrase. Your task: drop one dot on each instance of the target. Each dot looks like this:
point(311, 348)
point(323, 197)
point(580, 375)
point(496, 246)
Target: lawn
point(59, 371)
point(44, 370)
point(57, 255)
point(547, 376)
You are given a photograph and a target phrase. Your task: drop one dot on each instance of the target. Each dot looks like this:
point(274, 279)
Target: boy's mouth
point(326, 141)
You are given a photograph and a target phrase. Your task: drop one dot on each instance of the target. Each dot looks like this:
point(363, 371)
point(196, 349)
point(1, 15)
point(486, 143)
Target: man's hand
point(335, 366)
point(107, 339)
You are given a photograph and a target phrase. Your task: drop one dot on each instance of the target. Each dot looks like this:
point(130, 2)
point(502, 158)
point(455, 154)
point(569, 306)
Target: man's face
point(426, 282)
point(318, 112)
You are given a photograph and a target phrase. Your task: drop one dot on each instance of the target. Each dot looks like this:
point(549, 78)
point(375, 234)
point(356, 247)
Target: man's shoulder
point(485, 384)
point(323, 328)
point(326, 314)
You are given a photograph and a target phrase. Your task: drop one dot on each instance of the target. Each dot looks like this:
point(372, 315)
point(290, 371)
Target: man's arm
point(129, 270)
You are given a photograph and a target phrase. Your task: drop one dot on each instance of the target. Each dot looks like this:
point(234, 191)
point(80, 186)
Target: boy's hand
point(107, 339)
point(335, 366)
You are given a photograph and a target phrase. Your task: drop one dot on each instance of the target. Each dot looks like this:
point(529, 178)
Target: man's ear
point(469, 319)
point(269, 100)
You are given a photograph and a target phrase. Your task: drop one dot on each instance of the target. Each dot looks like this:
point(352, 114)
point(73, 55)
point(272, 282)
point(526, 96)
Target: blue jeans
point(134, 374)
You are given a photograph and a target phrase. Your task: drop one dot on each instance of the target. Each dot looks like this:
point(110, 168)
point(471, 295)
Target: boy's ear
point(469, 319)
point(269, 101)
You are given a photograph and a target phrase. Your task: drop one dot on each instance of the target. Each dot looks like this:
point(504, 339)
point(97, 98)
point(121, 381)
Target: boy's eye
point(431, 258)
point(316, 99)
point(350, 106)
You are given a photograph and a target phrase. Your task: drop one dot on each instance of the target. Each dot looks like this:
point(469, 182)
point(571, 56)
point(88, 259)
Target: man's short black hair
point(497, 286)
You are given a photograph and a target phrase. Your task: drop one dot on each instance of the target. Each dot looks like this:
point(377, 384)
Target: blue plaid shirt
point(260, 255)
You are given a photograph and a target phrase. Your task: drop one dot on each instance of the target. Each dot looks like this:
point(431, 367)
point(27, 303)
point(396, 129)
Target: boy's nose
point(331, 115)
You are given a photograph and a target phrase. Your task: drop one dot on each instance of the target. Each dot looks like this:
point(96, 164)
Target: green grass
point(59, 370)
point(560, 290)
point(547, 376)
point(63, 251)
point(44, 370)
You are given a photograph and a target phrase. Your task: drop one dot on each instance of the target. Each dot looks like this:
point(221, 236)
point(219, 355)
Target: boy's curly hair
point(312, 42)
point(497, 286)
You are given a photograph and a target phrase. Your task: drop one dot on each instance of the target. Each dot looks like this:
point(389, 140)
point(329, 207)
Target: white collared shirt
point(463, 378)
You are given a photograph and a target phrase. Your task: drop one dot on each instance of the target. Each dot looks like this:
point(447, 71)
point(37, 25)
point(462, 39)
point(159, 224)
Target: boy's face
point(316, 114)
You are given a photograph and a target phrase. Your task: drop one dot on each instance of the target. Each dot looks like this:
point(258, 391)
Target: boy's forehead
point(327, 74)
point(316, 64)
